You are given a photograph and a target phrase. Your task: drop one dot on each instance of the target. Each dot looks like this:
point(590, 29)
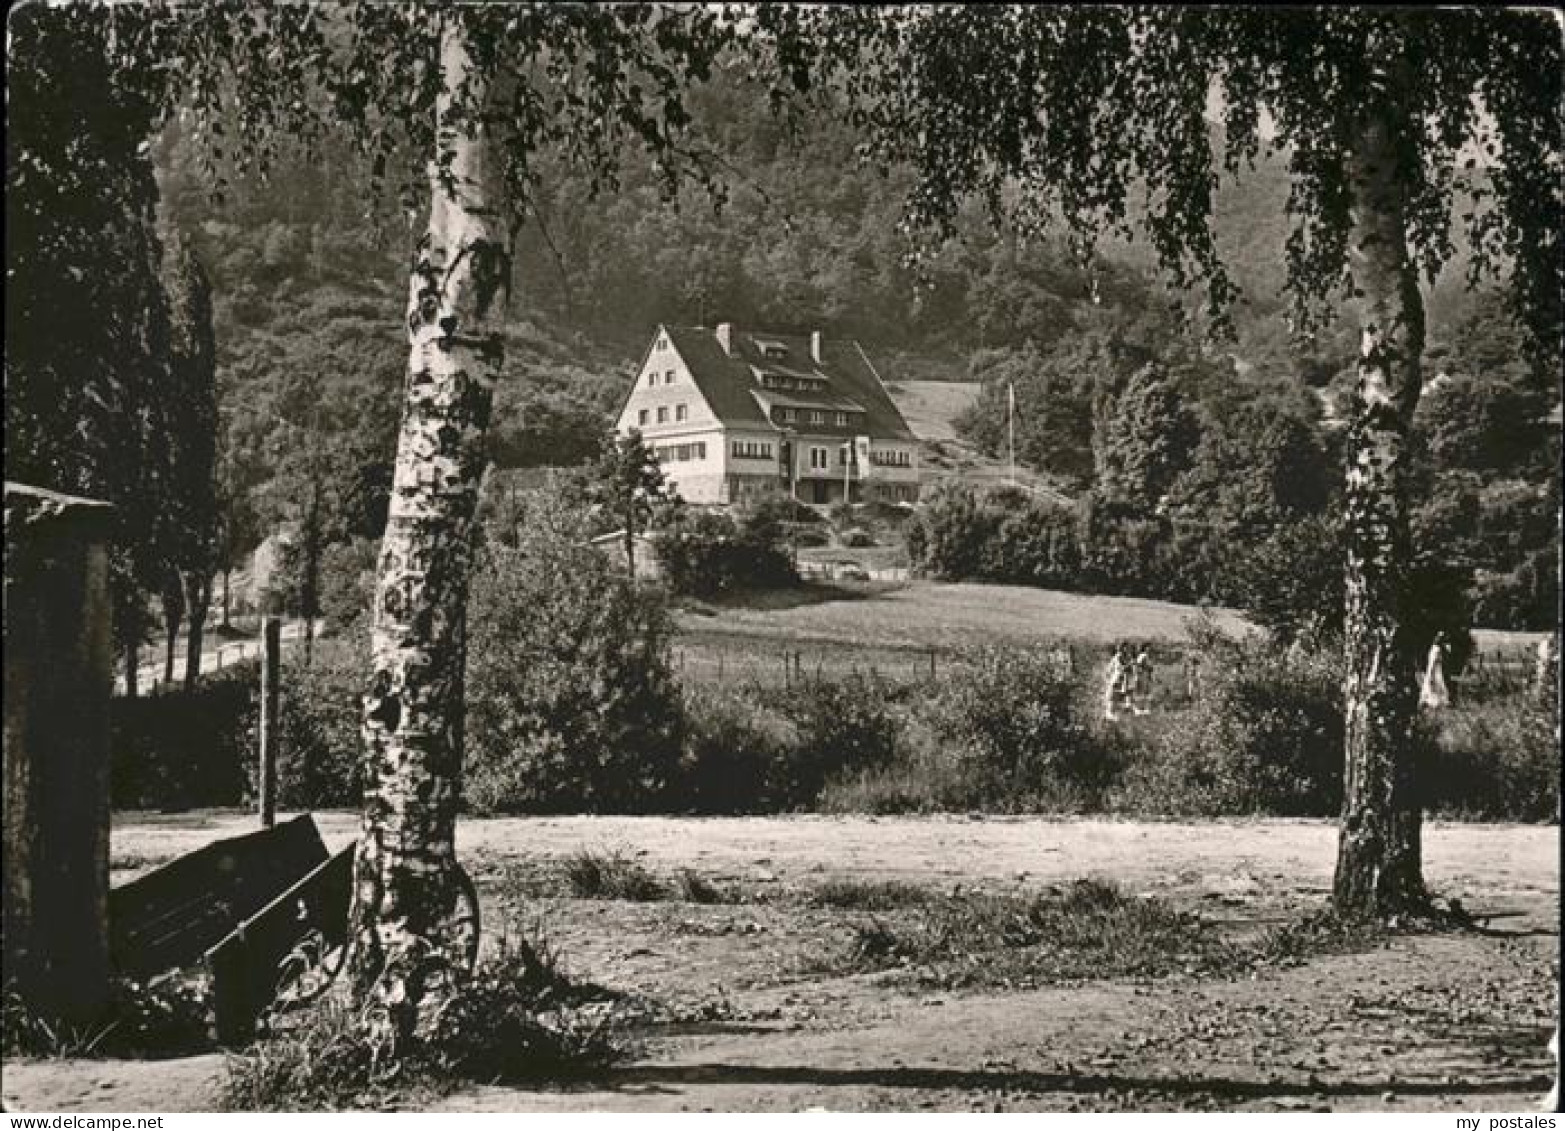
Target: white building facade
point(733, 414)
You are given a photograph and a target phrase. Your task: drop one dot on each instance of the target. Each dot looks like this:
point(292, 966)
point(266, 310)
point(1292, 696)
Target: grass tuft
point(870, 895)
point(610, 875)
point(696, 888)
point(1087, 930)
point(517, 1018)
point(169, 1017)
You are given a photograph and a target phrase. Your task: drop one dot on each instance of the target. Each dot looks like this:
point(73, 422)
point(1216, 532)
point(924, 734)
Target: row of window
point(797, 384)
point(821, 458)
point(654, 378)
point(680, 414)
point(813, 416)
point(680, 453)
point(752, 449)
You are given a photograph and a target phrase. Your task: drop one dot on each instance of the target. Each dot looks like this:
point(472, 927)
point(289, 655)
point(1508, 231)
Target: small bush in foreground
point(516, 1018)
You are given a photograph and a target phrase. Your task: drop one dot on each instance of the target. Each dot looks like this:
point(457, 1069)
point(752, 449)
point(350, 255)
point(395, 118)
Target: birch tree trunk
point(413, 709)
point(1379, 870)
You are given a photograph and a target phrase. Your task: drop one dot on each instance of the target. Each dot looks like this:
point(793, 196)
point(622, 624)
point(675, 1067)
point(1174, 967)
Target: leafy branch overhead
point(1056, 116)
point(584, 83)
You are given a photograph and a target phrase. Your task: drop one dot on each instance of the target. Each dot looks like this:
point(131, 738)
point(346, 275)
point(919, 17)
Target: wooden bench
point(248, 964)
point(172, 916)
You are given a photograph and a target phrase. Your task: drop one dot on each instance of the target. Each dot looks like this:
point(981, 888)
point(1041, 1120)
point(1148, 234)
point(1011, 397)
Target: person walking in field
point(1434, 694)
point(1141, 682)
point(1116, 684)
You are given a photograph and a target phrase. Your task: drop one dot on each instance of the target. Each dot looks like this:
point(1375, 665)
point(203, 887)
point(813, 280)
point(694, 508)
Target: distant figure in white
point(1141, 682)
point(1116, 683)
point(1546, 672)
point(1551, 1102)
point(1435, 695)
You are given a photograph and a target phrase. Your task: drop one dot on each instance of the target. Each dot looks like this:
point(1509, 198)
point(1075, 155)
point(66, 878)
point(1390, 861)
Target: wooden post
point(59, 672)
point(271, 666)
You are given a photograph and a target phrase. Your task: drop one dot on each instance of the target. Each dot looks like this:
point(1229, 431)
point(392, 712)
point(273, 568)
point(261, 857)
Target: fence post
point(270, 672)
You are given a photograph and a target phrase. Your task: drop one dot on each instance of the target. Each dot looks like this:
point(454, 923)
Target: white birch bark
point(413, 710)
point(1379, 855)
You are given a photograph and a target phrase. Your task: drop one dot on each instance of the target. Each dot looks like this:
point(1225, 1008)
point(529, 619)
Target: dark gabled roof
point(824, 401)
point(727, 382)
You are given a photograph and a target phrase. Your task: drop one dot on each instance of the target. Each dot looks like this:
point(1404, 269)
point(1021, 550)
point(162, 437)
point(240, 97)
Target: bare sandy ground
point(1451, 1022)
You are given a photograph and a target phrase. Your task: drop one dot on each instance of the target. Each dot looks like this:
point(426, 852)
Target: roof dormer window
point(770, 348)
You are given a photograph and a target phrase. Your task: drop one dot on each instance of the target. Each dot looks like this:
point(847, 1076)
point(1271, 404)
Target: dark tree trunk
point(132, 659)
point(630, 541)
point(413, 711)
point(1379, 859)
point(198, 598)
point(173, 614)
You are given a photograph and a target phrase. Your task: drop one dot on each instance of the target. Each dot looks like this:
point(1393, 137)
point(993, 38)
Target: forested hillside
point(309, 272)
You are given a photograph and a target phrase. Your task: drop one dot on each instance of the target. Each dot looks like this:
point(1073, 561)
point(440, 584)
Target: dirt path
point(1504, 870)
point(1450, 1022)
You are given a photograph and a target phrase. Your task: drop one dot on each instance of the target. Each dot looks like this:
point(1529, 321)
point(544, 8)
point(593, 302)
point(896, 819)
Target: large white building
point(733, 413)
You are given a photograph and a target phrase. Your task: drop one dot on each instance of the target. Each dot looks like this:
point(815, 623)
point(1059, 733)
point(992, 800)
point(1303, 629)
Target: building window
point(752, 449)
point(641, 417)
point(662, 343)
point(679, 412)
point(663, 414)
point(668, 378)
point(652, 378)
point(842, 456)
point(820, 459)
point(785, 415)
point(842, 420)
point(700, 449)
point(817, 417)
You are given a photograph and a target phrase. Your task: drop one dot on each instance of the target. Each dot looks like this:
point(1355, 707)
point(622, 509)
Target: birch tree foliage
point(1402, 130)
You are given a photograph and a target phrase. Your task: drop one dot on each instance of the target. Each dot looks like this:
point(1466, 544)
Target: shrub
point(185, 749)
point(1265, 735)
point(319, 761)
point(704, 553)
point(1011, 724)
point(731, 741)
point(1497, 761)
point(770, 749)
point(571, 702)
point(842, 727)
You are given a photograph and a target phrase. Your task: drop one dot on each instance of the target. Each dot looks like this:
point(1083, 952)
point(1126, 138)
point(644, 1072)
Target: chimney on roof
point(815, 346)
point(725, 337)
